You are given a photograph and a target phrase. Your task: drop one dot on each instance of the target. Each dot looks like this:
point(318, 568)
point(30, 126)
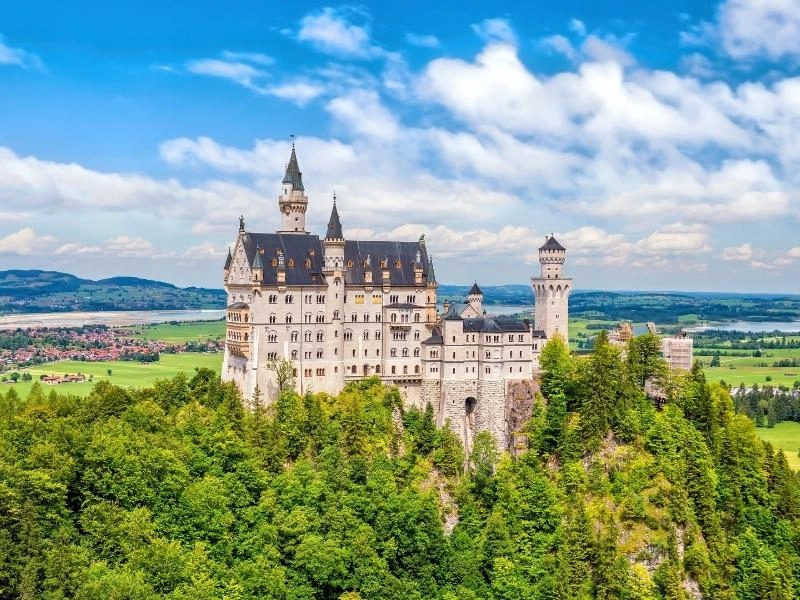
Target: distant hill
point(46, 291)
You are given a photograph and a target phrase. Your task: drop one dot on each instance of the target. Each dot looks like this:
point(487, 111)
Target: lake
point(110, 318)
point(754, 326)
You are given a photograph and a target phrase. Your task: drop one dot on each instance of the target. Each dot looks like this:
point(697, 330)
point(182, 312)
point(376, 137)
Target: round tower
point(293, 202)
point(551, 290)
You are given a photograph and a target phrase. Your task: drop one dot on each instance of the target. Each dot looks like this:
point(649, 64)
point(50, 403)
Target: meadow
point(786, 436)
point(123, 373)
point(745, 369)
point(178, 333)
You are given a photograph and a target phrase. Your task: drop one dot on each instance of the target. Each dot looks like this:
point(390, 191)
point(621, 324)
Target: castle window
point(405, 369)
point(288, 318)
point(394, 318)
point(308, 263)
point(294, 336)
point(354, 317)
point(320, 372)
point(366, 318)
point(454, 355)
point(416, 318)
point(393, 352)
point(377, 368)
point(307, 317)
point(273, 299)
point(354, 352)
point(319, 353)
point(348, 335)
point(274, 262)
point(378, 318)
point(336, 314)
point(349, 264)
point(291, 262)
point(366, 335)
point(384, 263)
point(378, 352)
point(520, 338)
point(294, 354)
point(272, 318)
point(416, 369)
point(394, 298)
point(377, 334)
point(307, 336)
point(394, 369)
point(272, 356)
point(416, 351)
point(288, 299)
point(416, 335)
point(320, 318)
point(405, 351)
point(272, 336)
point(511, 338)
point(320, 336)
point(397, 264)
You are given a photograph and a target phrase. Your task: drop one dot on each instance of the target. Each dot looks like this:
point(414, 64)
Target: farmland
point(785, 436)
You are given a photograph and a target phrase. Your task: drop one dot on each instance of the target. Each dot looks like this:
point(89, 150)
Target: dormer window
point(397, 264)
point(291, 262)
point(384, 264)
point(308, 263)
point(349, 264)
point(274, 262)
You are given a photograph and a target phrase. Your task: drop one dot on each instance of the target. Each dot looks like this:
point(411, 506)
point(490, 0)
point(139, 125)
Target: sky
point(659, 142)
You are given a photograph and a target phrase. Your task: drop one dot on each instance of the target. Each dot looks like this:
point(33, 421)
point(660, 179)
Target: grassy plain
point(746, 369)
point(123, 373)
point(198, 331)
point(786, 436)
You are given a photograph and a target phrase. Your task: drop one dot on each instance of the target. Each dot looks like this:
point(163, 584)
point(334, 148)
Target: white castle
point(340, 310)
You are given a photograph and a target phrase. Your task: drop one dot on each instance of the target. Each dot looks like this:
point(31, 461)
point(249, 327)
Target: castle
point(340, 310)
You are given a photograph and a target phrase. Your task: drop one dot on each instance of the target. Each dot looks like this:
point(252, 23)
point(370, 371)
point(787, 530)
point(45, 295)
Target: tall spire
point(431, 274)
point(293, 174)
point(334, 225)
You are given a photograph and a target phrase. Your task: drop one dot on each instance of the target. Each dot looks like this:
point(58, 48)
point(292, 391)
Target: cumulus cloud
point(26, 241)
point(742, 253)
point(330, 31)
point(675, 239)
point(18, 57)
point(496, 30)
point(361, 111)
point(760, 28)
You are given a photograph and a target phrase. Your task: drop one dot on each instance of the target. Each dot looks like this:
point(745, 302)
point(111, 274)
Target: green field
point(198, 331)
point(123, 373)
point(786, 436)
point(744, 369)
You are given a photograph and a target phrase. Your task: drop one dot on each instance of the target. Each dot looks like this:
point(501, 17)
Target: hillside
point(177, 492)
point(46, 291)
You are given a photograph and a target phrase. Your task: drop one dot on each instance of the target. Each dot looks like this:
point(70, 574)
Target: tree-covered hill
point(177, 491)
point(45, 291)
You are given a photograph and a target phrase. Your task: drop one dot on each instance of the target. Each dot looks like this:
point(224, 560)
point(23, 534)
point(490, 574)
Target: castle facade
point(340, 310)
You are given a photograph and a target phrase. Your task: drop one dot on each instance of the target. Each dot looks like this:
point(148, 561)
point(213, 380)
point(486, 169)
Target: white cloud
point(251, 57)
point(299, 92)
point(18, 57)
point(743, 253)
point(331, 32)
point(793, 252)
point(760, 28)
point(607, 49)
point(578, 27)
point(560, 45)
point(238, 72)
point(425, 41)
point(205, 250)
point(361, 111)
point(496, 30)
point(25, 242)
point(675, 239)
point(698, 65)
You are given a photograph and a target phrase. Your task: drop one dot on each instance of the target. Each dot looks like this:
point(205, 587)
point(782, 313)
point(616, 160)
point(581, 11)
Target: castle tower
point(552, 289)
point(475, 299)
point(334, 271)
point(293, 202)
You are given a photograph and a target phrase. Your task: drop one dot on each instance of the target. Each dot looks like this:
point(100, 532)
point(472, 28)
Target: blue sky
point(657, 140)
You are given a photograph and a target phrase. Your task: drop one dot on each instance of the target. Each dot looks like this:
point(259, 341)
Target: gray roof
point(296, 249)
point(334, 225)
point(552, 244)
point(475, 290)
point(498, 324)
point(436, 338)
point(257, 262)
point(402, 305)
point(238, 305)
point(430, 274)
point(228, 260)
point(356, 253)
point(539, 333)
point(453, 313)
point(293, 174)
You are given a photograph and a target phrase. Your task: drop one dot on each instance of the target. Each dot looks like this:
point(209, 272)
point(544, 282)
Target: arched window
point(294, 354)
point(319, 353)
point(336, 314)
point(416, 351)
point(272, 336)
point(288, 318)
point(320, 336)
point(394, 318)
point(405, 351)
point(416, 335)
point(416, 369)
point(366, 335)
point(393, 352)
point(416, 318)
point(348, 335)
point(272, 318)
point(294, 336)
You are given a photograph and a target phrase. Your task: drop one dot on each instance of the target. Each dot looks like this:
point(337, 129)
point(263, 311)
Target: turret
point(258, 268)
point(552, 289)
point(227, 268)
point(475, 298)
point(293, 202)
point(333, 244)
point(551, 258)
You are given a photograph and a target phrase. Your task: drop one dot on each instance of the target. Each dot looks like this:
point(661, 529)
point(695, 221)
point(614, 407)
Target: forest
point(177, 491)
